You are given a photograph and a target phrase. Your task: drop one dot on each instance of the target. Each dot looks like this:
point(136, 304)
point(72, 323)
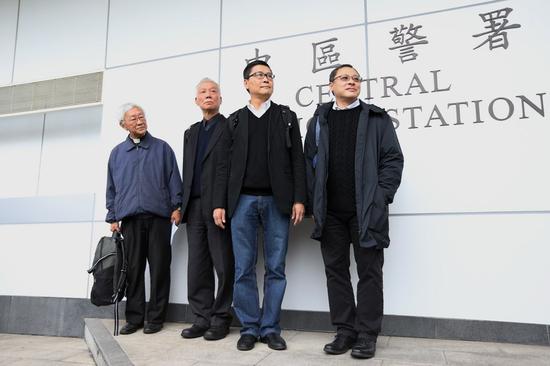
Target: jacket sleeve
point(183, 164)
point(174, 178)
point(110, 193)
point(310, 152)
point(390, 165)
point(222, 151)
point(298, 164)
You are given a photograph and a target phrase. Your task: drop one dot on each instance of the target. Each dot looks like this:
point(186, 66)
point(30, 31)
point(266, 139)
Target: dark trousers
point(365, 318)
point(209, 249)
point(147, 238)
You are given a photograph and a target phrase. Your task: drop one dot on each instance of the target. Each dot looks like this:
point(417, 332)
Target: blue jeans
point(251, 212)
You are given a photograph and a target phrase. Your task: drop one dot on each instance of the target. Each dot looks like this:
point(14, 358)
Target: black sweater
point(342, 126)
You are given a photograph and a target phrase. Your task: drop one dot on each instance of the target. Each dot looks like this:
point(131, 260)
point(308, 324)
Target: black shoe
point(246, 342)
point(130, 328)
point(194, 332)
point(274, 341)
point(216, 332)
point(151, 328)
point(341, 344)
point(364, 348)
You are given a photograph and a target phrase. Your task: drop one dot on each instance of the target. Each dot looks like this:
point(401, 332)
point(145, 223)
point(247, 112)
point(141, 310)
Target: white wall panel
point(486, 267)
point(69, 154)
point(380, 9)
point(8, 29)
point(247, 20)
point(143, 30)
point(59, 38)
point(44, 260)
point(178, 276)
point(20, 146)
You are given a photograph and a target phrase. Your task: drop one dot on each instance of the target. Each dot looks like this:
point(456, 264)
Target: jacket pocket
point(378, 220)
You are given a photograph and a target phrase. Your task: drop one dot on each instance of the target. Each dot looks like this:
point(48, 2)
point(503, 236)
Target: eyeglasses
point(346, 78)
point(260, 75)
point(134, 119)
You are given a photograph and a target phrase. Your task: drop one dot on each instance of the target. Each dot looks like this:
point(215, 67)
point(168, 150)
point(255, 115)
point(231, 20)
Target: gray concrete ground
point(26, 350)
point(306, 348)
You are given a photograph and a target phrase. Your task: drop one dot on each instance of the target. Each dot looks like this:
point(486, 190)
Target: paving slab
point(16, 349)
point(465, 358)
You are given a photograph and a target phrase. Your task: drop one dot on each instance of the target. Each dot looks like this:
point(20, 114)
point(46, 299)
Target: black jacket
point(378, 168)
point(285, 158)
point(212, 156)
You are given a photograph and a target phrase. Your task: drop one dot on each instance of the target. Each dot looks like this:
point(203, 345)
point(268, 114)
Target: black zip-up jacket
point(285, 159)
point(378, 169)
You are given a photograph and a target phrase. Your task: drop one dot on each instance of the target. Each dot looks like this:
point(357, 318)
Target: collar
point(145, 142)
point(260, 111)
point(207, 125)
point(350, 106)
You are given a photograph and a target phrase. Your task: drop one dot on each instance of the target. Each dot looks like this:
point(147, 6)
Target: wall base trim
point(56, 316)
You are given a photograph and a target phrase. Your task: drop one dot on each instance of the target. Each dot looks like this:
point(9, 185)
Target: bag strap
point(91, 270)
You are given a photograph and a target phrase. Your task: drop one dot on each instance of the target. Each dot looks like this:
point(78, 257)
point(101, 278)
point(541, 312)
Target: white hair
point(208, 80)
point(125, 108)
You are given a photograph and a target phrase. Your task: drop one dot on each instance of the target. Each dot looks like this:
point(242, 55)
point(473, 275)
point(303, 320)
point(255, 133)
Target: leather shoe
point(194, 332)
point(341, 344)
point(216, 332)
point(246, 342)
point(363, 348)
point(130, 328)
point(151, 328)
point(274, 341)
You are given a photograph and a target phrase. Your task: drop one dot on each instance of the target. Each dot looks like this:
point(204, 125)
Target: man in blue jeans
point(265, 187)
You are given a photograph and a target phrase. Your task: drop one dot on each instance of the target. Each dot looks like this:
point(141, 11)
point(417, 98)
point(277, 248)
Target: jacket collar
point(144, 143)
point(323, 109)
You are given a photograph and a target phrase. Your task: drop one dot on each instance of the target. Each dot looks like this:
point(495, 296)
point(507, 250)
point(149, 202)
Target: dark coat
point(212, 156)
point(378, 168)
point(286, 163)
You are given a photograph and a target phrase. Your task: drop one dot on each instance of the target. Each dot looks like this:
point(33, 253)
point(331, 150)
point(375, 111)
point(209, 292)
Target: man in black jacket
point(209, 245)
point(354, 165)
point(266, 187)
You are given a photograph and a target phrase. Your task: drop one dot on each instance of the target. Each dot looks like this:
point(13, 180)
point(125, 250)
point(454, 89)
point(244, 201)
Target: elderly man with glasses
point(144, 194)
point(354, 164)
point(265, 188)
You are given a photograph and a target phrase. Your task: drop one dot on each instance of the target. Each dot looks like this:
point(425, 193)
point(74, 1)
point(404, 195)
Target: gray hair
point(125, 108)
point(208, 80)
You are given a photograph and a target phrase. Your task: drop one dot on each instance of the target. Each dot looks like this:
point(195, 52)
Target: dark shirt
point(142, 178)
point(256, 177)
point(342, 126)
point(205, 132)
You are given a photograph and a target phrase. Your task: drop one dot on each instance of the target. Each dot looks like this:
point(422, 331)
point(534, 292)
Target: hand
point(115, 227)
point(297, 213)
point(176, 217)
point(219, 217)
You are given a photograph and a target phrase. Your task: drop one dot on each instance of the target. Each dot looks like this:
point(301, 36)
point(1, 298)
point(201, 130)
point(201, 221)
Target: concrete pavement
point(306, 348)
point(27, 350)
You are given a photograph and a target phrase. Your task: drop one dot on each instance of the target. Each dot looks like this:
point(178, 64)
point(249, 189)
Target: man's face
point(259, 85)
point(134, 121)
point(343, 86)
point(208, 97)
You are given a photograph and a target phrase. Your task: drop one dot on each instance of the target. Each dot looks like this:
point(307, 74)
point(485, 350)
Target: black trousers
point(147, 238)
point(365, 318)
point(209, 249)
